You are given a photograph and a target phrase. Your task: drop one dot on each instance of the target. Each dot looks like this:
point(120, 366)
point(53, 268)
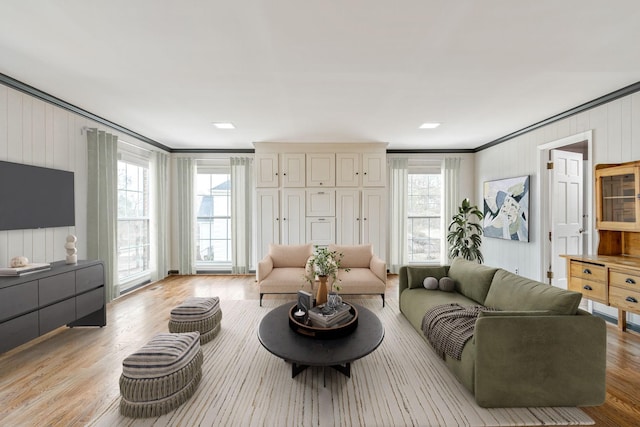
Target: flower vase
point(321, 295)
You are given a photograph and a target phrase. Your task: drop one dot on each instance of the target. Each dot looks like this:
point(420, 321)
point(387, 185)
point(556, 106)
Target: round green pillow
point(447, 284)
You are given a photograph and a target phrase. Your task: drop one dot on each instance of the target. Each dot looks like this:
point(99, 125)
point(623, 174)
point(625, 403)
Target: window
point(424, 218)
point(213, 212)
point(133, 223)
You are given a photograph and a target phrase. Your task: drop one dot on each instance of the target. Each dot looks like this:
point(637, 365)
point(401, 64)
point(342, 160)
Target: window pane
point(213, 210)
point(423, 223)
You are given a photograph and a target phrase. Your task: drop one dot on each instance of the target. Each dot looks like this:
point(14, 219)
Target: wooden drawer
point(89, 278)
point(622, 279)
point(624, 299)
point(585, 270)
point(56, 288)
point(595, 291)
point(18, 299)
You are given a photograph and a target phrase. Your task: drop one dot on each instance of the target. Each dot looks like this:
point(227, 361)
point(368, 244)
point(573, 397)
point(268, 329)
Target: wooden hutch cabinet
point(612, 277)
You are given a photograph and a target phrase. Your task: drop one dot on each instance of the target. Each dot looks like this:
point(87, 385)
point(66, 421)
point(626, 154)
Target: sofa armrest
point(379, 268)
point(265, 266)
point(540, 360)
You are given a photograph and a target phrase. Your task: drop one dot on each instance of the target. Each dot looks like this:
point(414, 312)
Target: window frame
point(417, 167)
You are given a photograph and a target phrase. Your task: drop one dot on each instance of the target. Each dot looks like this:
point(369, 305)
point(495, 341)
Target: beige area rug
point(402, 383)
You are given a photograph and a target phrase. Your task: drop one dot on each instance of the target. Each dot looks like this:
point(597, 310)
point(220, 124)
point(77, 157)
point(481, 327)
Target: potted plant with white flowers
point(324, 264)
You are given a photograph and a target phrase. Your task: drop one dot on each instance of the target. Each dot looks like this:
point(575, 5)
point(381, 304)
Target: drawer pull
point(631, 299)
point(587, 287)
point(586, 271)
point(630, 281)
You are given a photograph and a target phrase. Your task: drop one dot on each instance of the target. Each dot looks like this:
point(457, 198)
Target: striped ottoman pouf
point(197, 314)
point(160, 376)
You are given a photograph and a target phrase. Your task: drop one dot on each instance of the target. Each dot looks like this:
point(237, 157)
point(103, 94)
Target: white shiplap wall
point(616, 138)
point(38, 133)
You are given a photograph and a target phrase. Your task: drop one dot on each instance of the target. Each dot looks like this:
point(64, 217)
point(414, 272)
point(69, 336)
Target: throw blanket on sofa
point(448, 327)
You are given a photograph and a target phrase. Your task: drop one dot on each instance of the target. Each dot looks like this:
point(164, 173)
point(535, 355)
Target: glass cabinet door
point(618, 197)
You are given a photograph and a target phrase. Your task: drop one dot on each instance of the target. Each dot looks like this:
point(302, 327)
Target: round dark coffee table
point(301, 351)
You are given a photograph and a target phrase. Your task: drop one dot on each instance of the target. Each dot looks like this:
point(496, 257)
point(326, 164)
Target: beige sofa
point(283, 269)
point(367, 273)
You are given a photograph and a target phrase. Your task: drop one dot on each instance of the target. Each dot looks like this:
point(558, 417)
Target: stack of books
point(321, 320)
point(27, 269)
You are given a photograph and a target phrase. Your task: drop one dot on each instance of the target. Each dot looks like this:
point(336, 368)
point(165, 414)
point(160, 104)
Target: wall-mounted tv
point(35, 197)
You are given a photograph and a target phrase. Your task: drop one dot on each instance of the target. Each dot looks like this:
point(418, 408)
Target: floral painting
point(506, 209)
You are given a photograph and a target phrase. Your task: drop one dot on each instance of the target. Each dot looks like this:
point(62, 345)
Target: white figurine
point(70, 247)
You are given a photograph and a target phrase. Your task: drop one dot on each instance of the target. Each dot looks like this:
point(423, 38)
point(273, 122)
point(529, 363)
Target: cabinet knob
point(586, 271)
point(356, 173)
point(284, 219)
point(365, 219)
point(631, 299)
point(285, 174)
point(320, 183)
point(365, 173)
point(587, 288)
point(630, 281)
point(276, 173)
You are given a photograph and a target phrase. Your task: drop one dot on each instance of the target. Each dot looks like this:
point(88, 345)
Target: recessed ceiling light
point(429, 125)
point(223, 125)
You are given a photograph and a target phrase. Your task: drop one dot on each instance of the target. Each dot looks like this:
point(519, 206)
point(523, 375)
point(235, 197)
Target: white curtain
point(102, 207)
point(241, 214)
point(451, 185)
point(398, 181)
point(185, 200)
point(159, 170)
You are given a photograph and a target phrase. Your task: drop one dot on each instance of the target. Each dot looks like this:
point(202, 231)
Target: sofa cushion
point(354, 256)
point(430, 283)
point(284, 280)
point(290, 255)
point(416, 275)
point(447, 284)
point(512, 292)
point(360, 281)
point(472, 279)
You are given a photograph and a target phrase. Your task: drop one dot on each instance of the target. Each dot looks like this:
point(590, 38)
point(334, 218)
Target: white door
point(321, 170)
point(347, 169)
point(267, 170)
point(566, 211)
point(293, 217)
point(293, 169)
point(348, 217)
point(374, 220)
point(268, 221)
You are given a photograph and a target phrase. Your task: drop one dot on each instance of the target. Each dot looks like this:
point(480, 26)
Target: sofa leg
point(382, 295)
point(261, 295)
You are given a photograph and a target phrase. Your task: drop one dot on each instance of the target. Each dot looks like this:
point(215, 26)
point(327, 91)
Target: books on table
point(27, 269)
point(341, 314)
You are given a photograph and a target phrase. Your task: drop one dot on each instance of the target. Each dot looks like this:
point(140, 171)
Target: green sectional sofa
point(538, 349)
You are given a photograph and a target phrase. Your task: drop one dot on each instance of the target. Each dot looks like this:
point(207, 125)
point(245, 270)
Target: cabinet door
point(374, 220)
point(348, 217)
point(321, 230)
point(321, 202)
point(268, 221)
point(374, 173)
point(293, 217)
point(618, 198)
point(293, 170)
point(266, 169)
point(347, 170)
point(321, 170)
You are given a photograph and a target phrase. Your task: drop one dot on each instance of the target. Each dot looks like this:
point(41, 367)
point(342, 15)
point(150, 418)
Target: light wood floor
point(68, 375)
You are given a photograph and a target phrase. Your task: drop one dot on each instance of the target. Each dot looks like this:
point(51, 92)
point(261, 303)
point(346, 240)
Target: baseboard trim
point(614, 320)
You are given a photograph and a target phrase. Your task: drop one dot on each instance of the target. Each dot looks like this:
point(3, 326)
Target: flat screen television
point(35, 197)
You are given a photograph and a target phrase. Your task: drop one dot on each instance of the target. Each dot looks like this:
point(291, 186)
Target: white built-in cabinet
point(321, 194)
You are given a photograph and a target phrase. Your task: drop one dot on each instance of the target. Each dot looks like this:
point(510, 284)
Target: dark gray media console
point(34, 304)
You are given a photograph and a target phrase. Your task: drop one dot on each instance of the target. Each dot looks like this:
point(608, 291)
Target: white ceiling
point(322, 71)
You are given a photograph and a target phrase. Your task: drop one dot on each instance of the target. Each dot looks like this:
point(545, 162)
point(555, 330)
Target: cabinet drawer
point(587, 271)
point(57, 315)
point(623, 279)
point(56, 288)
point(625, 299)
point(595, 291)
point(18, 331)
point(89, 278)
point(89, 302)
point(18, 299)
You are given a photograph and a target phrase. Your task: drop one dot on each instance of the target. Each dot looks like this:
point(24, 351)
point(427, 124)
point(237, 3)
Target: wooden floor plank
point(67, 376)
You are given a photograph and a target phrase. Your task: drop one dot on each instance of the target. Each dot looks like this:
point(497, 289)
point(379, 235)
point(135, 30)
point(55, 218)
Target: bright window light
point(224, 125)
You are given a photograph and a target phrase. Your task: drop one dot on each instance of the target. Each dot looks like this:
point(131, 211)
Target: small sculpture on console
point(70, 247)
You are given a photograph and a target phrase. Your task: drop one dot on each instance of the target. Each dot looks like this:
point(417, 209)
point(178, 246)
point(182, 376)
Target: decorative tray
point(338, 331)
